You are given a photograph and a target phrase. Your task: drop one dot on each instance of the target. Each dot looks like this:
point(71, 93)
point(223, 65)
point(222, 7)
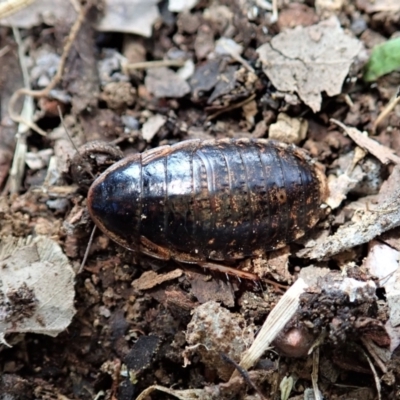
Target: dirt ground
point(320, 318)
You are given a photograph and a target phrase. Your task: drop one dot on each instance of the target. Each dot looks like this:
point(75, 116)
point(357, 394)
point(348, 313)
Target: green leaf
point(384, 58)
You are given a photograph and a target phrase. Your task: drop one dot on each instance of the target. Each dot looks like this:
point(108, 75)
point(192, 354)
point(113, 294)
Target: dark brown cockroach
point(206, 201)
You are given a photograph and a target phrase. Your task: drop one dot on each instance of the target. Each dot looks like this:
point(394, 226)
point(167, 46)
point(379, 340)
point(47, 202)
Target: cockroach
point(206, 202)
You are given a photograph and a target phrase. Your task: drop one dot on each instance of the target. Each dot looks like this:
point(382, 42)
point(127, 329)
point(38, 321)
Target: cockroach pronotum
point(204, 202)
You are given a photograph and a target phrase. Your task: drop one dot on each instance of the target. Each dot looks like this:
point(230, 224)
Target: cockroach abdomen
point(215, 199)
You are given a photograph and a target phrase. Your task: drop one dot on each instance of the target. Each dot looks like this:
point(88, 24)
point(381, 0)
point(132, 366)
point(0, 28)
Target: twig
point(4, 50)
point(87, 250)
point(236, 56)
point(274, 16)
point(18, 165)
point(76, 5)
point(10, 7)
point(375, 374)
point(231, 107)
point(99, 394)
point(382, 153)
point(275, 322)
point(55, 80)
point(386, 111)
point(127, 68)
point(370, 346)
point(314, 375)
point(66, 130)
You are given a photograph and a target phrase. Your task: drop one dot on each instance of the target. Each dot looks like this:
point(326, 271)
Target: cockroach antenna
point(70, 138)
point(90, 173)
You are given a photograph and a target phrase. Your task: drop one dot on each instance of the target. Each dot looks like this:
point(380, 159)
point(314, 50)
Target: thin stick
point(87, 250)
point(55, 80)
point(5, 50)
point(369, 345)
point(237, 57)
point(65, 129)
point(231, 107)
point(314, 375)
point(72, 142)
point(274, 16)
point(275, 322)
point(10, 7)
point(152, 64)
point(375, 374)
point(18, 165)
point(386, 111)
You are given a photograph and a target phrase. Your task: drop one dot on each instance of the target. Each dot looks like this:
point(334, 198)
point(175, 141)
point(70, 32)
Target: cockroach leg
point(228, 270)
point(153, 250)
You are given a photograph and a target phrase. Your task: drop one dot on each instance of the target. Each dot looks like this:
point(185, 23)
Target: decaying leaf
point(339, 186)
point(366, 224)
point(142, 353)
point(235, 388)
point(36, 286)
point(310, 60)
point(48, 11)
point(355, 173)
point(164, 82)
point(130, 16)
point(149, 279)
point(383, 262)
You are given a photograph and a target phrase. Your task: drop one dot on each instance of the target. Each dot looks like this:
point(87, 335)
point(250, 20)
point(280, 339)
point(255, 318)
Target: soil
point(142, 321)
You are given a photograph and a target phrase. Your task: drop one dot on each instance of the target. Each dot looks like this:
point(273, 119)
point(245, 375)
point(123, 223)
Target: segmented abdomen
point(221, 200)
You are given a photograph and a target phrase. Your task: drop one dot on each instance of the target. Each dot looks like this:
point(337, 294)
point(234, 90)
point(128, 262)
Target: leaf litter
point(135, 328)
point(310, 60)
point(37, 287)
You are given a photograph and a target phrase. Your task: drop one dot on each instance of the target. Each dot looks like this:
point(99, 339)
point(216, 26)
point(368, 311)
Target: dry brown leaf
point(310, 60)
point(235, 388)
point(36, 286)
point(384, 154)
point(149, 279)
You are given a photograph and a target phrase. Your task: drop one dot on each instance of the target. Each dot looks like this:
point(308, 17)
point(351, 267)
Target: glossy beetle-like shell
point(215, 199)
